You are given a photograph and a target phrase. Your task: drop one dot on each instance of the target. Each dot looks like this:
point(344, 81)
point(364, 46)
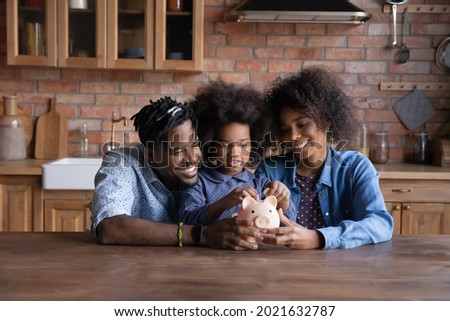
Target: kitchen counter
point(22, 167)
point(72, 266)
point(394, 170)
point(412, 171)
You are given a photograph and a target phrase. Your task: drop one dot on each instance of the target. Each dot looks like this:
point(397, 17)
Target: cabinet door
point(66, 215)
point(179, 35)
point(31, 34)
point(396, 211)
point(81, 35)
point(425, 218)
point(130, 34)
point(20, 203)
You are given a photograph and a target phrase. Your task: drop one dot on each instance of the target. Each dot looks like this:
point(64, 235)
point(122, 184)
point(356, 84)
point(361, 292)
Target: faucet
point(115, 120)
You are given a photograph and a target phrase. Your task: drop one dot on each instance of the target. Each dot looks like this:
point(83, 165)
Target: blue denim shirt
point(350, 197)
point(211, 187)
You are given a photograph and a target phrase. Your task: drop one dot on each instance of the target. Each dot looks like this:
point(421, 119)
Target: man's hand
point(229, 234)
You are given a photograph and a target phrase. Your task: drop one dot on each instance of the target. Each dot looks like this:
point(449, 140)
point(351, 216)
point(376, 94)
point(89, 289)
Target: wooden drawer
point(405, 190)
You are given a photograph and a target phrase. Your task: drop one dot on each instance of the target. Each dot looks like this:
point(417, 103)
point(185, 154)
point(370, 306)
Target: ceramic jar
point(12, 133)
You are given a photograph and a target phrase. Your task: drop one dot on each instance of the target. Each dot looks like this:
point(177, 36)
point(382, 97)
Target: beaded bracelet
point(180, 234)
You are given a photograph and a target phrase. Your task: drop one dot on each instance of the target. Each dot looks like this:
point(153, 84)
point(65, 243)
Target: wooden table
point(71, 266)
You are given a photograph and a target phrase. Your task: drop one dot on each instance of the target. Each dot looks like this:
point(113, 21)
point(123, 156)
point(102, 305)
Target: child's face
point(308, 142)
point(231, 148)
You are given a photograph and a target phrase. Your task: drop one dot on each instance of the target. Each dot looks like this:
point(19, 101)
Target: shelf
point(414, 85)
point(179, 13)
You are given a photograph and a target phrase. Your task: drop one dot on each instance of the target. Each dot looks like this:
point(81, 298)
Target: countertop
point(388, 171)
point(22, 167)
point(72, 266)
point(412, 171)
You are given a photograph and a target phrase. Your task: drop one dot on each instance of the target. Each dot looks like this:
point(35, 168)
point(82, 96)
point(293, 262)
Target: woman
point(337, 194)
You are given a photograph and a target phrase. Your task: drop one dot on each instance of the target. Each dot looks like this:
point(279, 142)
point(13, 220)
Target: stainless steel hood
point(298, 11)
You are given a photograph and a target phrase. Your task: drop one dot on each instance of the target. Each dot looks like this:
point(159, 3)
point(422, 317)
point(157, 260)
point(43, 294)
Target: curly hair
point(154, 121)
point(316, 93)
point(220, 103)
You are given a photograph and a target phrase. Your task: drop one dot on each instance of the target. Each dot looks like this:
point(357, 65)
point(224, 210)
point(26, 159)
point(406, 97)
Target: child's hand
point(281, 192)
point(232, 199)
point(236, 196)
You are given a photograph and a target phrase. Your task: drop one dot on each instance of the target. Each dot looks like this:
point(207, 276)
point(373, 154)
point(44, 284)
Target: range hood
point(298, 11)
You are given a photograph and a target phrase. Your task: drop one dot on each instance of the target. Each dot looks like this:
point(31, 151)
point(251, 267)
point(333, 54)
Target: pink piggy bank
point(263, 214)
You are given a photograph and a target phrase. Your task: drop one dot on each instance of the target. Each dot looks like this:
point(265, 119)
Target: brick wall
point(256, 54)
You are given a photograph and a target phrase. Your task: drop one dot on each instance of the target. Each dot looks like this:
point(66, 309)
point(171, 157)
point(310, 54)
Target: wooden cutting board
point(26, 121)
point(51, 134)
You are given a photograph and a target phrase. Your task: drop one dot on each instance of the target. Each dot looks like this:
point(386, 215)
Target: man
point(136, 194)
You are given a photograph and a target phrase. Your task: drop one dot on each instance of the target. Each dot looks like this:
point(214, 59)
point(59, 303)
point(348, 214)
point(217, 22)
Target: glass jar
point(379, 149)
point(417, 148)
point(361, 143)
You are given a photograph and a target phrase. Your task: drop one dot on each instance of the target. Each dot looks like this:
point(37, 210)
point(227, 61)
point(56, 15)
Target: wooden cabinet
point(179, 36)
point(20, 203)
point(116, 34)
point(67, 211)
point(418, 206)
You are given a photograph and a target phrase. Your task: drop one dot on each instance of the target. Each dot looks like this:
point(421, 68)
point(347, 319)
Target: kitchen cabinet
point(115, 34)
point(25, 206)
point(418, 197)
point(179, 36)
point(67, 211)
point(19, 200)
point(21, 196)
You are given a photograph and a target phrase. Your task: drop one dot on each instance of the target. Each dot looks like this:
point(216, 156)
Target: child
point(231, 123)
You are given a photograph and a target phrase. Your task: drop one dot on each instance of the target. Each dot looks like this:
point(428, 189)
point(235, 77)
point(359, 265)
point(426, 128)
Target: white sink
point(70, 173)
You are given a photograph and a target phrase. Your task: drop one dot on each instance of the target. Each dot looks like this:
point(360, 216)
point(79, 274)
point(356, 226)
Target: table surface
point(72, 266)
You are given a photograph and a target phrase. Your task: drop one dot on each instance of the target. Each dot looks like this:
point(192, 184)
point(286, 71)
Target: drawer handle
point(407, 207)
point(401, 190)
point(397, 208)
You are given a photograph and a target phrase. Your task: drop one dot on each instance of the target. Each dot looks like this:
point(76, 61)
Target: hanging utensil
point(404, 50)
point(394, 4)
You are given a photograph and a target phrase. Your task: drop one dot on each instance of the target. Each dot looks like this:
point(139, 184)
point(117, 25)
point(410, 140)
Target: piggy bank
point(263, 214)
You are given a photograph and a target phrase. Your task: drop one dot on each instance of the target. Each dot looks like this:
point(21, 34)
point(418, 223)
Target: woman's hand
point(281, 192)
point(292, 235)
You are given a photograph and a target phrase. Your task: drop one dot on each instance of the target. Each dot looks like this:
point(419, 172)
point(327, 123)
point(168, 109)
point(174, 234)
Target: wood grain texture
point(72, 266)
point(51, 134)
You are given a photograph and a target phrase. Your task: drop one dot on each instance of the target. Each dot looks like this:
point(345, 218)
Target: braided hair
point(154, 121)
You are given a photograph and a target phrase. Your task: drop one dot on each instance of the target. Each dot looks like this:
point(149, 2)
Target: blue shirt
point(126, 184)
point(211, 187)
point(350, 197)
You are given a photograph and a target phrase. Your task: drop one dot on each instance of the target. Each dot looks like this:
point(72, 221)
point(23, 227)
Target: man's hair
point(316, 93)
point(154, 121)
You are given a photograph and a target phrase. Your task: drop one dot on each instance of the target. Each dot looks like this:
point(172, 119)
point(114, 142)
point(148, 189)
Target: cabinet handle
point(397, 208)
point(401, 190)
point(407, 207)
